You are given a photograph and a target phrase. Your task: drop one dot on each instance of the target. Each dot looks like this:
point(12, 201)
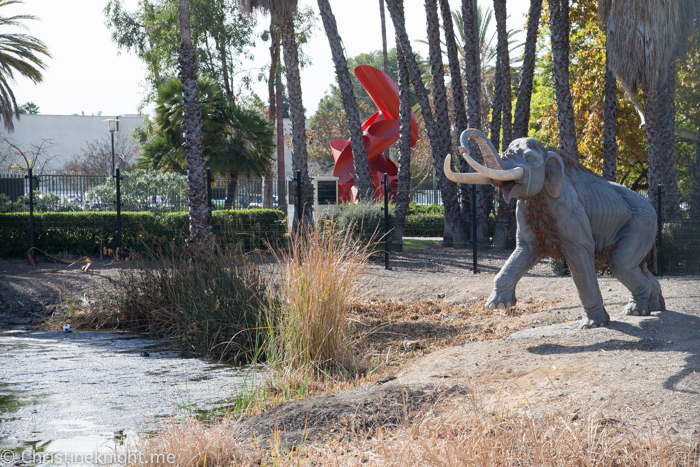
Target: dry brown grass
point(382, 327)
point(474, 430)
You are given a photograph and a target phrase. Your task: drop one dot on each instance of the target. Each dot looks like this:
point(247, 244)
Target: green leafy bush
point(414, 208)
point(91, 232)
point(364, 219)
point(424, 225)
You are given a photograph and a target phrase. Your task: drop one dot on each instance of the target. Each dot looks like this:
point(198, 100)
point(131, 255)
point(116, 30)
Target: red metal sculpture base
point(380, 131)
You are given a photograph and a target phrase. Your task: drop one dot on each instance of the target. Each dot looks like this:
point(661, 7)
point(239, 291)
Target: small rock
point(412, 345)
point(441, 295)
point(145, 354)
point(672, 431)
point(386, 379)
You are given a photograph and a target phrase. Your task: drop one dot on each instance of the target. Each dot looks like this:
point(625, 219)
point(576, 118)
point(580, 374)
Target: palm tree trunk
point(357, 142)
point(522, 105)
point(200, 240)
point(472, 76)
point(300, 158)
point(695, 191)
point(502, 112)
point(448, 189)
point(659, 114)
point(472, 72)
point(403, 192)
point(449, 198)
point(461, 122)
point(272, 106)
point(385, 57)
point(281, 168)
point(609, 122)
point(559, 25)
point(231, 189)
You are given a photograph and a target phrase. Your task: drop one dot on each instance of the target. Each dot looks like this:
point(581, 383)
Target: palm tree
point(283, 11)
point(404, 187)
point(502, 113)
point(454, 221)
point(460, 110)
point(522, 104)
point(201, 240)
point(246, 147)
point(235, 139)
point(643, 41)
point(609, 119)
point(472, 73)
point(29, 108)
point(357, 142)
point(19, 54)
point(559, 26)
point(695, 191)
point(454, 229)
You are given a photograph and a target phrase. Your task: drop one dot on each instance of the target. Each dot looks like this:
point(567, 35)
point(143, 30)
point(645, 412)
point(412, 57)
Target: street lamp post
point(113, 126)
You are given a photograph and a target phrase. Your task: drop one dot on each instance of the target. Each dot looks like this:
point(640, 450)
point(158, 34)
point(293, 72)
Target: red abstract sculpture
point(380, 131)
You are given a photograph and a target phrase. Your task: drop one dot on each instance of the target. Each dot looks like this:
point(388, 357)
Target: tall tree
point(222, 36)
point(521, 120)
point(644, 39)
point(609, 122)
point(21, 54)
point(460, 110)
point(404, 187)
point(283, 11)
point(448, 190)
point(472, 76)
point(502, 114)
point(201, 240)
point(695, 191)
point(559, 26)
point(357, 142)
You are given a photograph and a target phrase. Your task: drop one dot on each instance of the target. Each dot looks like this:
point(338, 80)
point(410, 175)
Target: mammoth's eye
point(531, 158)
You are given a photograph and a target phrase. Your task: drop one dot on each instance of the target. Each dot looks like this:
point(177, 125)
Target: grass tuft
point(319, 281)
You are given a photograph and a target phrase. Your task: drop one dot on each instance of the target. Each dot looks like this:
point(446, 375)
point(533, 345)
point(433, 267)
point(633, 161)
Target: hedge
point(88, 233)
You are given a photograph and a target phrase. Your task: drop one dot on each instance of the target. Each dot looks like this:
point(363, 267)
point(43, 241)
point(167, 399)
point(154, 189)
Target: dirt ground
point(425, 317)
point(424, 326)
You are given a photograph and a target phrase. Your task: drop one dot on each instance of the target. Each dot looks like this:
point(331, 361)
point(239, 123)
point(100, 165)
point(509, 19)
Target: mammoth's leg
point(581, 263)
point(520, 261)
point(625, 260)
point(656, 302)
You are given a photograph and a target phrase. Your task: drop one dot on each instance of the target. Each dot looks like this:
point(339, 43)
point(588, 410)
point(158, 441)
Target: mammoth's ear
point(553, 174)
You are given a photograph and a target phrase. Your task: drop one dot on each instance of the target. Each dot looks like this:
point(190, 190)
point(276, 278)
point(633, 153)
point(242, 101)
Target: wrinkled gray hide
point(580, 213)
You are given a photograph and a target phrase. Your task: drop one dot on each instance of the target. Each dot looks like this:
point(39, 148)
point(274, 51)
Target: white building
point(68, 135)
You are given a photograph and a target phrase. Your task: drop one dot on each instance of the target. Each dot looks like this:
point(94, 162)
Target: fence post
point(118, 202)
point(386, 221)
point(474, 245)
point(660, 228)
point(30, 176)
point(297, 209)
point(209, 189)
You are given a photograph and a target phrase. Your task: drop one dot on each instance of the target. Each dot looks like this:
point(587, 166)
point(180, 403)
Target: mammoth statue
point(566, 211)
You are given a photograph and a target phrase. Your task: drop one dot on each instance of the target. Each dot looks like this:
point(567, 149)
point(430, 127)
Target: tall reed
point(319, 278)
point(214, 307)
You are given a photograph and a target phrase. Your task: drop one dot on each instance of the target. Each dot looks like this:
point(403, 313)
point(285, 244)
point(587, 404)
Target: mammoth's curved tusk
point(464, 178)
point(515, 173)
point(491, 158)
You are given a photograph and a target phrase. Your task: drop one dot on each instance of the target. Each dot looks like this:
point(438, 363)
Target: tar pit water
point(74, 398)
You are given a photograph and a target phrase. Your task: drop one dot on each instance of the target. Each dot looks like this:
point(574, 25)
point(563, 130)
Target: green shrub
point(424, 225)
point(681, 248)
point(414, 208)
point(363, 220)
point(89, 233)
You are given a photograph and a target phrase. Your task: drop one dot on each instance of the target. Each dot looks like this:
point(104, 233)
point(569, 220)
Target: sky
point(88, 74)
